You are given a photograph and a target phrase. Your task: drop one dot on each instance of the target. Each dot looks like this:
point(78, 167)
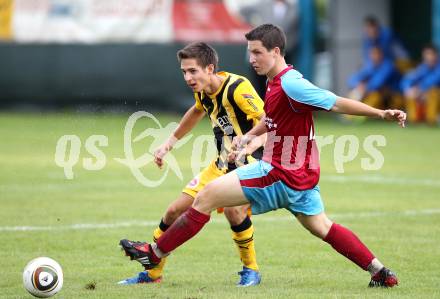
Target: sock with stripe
point(157, 271)
point(243, 236)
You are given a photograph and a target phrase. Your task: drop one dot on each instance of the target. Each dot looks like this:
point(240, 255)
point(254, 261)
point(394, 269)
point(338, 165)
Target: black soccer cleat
point(384, 278)
point(141, 252)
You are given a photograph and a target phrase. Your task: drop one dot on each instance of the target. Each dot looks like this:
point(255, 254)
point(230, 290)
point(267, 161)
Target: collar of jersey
point(288, 68)
point(225, 76)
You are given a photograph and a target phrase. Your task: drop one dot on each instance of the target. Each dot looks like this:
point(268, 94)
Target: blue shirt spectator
point(376, 35)
point(377, 73)
point(426, 75)
point(420, 87)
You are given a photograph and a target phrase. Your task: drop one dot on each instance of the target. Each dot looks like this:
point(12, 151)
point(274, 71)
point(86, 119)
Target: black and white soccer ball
point(43, 277)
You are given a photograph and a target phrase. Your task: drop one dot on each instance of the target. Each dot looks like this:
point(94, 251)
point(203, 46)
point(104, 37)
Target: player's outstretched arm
point(347, 106)
point(189, 120)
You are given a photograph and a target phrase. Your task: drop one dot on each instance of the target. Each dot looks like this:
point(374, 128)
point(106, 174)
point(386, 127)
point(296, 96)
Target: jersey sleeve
point(248, 100)
point(301, 90)
point(198, 103)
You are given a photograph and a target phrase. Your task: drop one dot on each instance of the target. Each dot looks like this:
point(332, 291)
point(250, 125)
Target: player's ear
point(277, 51)
point(210, 68)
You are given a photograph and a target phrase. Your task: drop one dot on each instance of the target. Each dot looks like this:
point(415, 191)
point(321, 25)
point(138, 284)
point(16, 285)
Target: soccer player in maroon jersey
point(287, 176)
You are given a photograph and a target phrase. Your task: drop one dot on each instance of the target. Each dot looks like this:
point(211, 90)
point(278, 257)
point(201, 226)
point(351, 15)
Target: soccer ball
point(43, 277)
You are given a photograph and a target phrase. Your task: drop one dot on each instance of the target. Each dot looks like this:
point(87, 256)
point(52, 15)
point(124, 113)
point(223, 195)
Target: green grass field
point(394, 210)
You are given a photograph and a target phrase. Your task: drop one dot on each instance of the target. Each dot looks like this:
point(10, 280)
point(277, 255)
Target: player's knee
point(201, 205)
point(320, 229)
point(318, 225)
point(326, 228)
point(317, 232)
point(235, 215)
point(173, 212)
point(204, 200)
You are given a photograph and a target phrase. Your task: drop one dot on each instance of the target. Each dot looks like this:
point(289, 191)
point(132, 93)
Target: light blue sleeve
point(301, 90)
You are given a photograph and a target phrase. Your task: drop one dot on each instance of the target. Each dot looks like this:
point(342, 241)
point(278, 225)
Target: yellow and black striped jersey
point(233, 110)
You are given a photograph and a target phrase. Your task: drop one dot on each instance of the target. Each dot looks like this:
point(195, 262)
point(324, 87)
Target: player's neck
point(277, 68)
point(216, 82)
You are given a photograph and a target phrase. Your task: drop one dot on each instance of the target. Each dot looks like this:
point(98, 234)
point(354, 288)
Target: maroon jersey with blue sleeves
point(290, 147)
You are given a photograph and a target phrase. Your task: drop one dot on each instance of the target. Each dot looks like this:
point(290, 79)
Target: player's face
point(261, 59)
point(196, 76)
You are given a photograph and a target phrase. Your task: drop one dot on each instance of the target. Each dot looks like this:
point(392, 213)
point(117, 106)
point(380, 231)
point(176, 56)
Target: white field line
point(256, 219)
point(381, 180)
point(374, 179)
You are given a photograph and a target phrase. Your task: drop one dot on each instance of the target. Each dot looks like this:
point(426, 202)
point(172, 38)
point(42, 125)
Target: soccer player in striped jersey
point(234, 107)
point(288, 174)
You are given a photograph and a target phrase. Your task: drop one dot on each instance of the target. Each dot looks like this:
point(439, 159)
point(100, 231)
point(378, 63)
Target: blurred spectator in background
point(283, 13)
point(376, 84)
point(376, 35)
point(421, 88)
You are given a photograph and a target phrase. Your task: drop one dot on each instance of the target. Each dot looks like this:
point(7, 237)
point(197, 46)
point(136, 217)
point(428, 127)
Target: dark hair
point(271, 36)
point(371, 21)
point(202, 52)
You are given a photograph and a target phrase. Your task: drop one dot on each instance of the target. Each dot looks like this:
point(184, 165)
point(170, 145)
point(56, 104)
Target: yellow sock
point(157, 271)
point(245, 245)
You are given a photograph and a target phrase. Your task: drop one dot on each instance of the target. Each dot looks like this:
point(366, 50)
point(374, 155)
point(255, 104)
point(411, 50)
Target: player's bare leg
point(237, 216)
point(318, 225)
point(177, 207)
point(224, 191)
point(348, 244)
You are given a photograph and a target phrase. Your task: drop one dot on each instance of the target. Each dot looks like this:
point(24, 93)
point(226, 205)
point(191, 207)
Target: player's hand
point(231, 156)
point(235, 144)
point(238, 156)
point(160, 153)
point(163, 150)
point(395, 115)
point(239, 142)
